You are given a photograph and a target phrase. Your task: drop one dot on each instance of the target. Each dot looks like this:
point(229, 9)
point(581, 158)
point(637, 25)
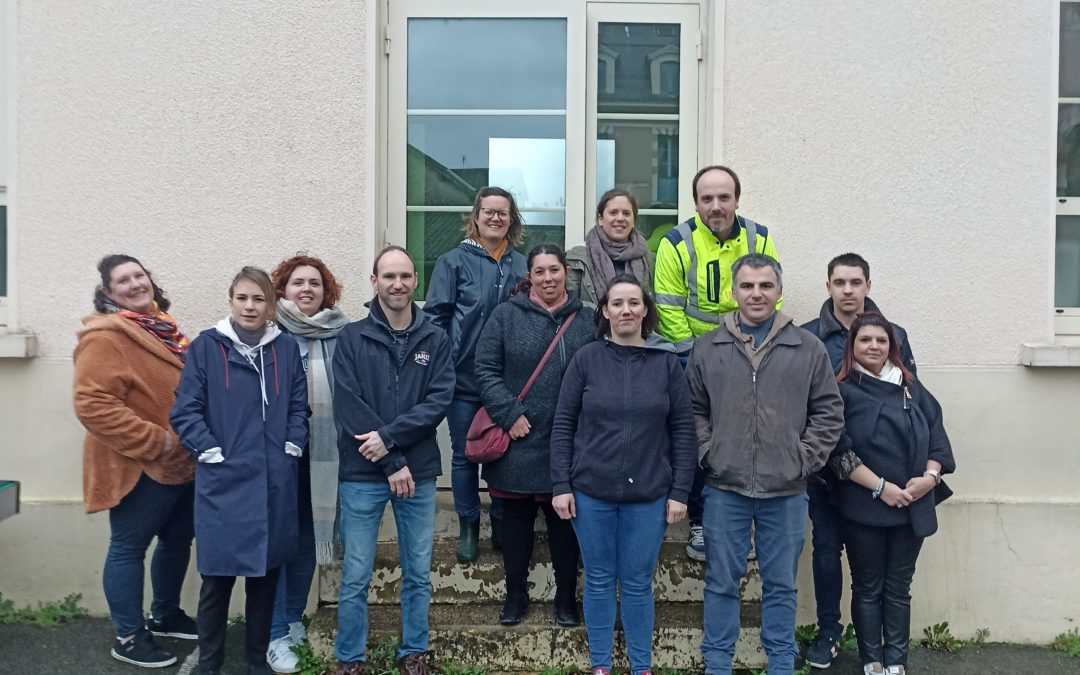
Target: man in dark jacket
point(768, 414)
point(849, 289)
point(393, 381)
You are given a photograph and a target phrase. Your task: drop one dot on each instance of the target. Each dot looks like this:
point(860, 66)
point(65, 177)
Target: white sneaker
point(894, 670)
point(297, 633)
point(281, 657)
point(873, 669)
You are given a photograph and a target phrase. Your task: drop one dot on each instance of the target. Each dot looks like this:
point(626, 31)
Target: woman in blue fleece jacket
point(627, 473)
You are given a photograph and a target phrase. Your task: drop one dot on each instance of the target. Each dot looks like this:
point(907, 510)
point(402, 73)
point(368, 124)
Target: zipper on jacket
point(907, 397)
point(626, 424)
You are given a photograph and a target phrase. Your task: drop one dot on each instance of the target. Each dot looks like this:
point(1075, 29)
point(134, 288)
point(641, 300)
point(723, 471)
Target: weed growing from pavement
point(45, 614)
point(1068, 642)
point(939, 638)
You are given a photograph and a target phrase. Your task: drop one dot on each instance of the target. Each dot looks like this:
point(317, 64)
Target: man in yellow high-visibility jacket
point(692, 279)
point(692, 284)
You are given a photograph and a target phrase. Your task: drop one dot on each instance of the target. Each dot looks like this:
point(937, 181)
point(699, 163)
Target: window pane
point(1069, 54)
point(1068, 159)
point(1067, 262)
point(450, 157)
point(639, 156)
point(645, 80)
point(472, 64)
point(654, 226)
point(3, 251)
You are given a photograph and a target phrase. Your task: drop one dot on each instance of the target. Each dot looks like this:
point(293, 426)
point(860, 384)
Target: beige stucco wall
point(202, 136)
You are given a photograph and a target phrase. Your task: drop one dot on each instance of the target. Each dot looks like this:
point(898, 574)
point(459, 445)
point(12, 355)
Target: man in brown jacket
point(767, 389)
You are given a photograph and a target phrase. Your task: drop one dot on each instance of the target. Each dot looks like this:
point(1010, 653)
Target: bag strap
point(547, 355)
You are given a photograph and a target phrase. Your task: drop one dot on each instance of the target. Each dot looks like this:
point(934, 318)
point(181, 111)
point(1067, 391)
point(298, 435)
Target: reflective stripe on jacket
point(692, 280)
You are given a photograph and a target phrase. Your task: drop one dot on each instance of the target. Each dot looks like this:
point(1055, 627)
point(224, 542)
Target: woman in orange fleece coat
point(127, 366)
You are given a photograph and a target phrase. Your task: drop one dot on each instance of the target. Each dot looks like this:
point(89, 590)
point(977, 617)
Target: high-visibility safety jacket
point(692, 279)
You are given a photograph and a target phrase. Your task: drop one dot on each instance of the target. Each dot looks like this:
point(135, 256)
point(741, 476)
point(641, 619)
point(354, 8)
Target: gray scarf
point(321, 333)
point(603, 253)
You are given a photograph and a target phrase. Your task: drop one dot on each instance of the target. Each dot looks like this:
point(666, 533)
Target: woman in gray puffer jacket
point(510, 346)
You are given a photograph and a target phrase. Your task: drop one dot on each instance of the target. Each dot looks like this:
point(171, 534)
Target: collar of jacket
point(476, 249)
point(573, 304)
point(376, 327)
point(114, 323)
point(829, 324)
point(729, 332)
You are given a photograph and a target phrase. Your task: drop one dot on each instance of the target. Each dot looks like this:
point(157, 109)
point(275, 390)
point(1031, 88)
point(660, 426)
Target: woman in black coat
point(511, 345)
point(890, 460)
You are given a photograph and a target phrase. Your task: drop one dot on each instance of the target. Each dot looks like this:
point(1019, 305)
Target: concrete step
point(677, 578)
point(469, 635)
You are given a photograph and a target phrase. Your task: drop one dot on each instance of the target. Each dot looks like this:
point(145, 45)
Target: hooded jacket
point(123, 390)
point(894, 429)
point(248, 402)
point(509, 349)
point(766, 418)
point(623, 430)
point(834, 334)
point(403, 399)
point(465, 288)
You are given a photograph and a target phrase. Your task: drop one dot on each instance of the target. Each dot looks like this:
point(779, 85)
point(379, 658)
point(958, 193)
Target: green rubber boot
point(468, 539)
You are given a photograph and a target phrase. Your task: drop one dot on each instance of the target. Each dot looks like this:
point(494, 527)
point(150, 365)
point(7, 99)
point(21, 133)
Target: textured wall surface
point(196, 136)
point(918, 133)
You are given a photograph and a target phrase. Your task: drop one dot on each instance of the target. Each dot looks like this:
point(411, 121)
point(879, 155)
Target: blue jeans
point(827, 537)
point(619, 543)
point(465, 475)
point(362, 506)
point(150, 509)
point(294, 582)
point(780, 528)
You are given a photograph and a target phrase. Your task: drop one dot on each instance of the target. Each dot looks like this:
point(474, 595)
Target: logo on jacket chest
point(422, 358)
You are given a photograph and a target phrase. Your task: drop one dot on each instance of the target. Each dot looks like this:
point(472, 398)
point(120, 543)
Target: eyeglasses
point(492, 213)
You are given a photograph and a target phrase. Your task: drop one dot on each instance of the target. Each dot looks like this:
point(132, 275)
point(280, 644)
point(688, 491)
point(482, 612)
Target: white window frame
point(7, 72)
point(583, 19)
point(1066, 319)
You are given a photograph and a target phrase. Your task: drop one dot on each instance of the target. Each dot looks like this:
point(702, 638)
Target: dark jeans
point(828, 543)
point(294, 584)
point(465, 475)
point(214, 617)
point(882, 563)
point(150, 509)
point(519, 517)
point(695, 506)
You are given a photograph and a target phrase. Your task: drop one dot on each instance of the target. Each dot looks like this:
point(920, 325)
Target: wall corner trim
point(18, 345)
point(1050, 355)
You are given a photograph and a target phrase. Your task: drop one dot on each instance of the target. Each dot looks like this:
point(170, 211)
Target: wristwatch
point(935, 474)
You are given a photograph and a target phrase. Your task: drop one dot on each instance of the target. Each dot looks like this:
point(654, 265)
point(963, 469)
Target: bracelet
point(936, 475)
point(877, 491)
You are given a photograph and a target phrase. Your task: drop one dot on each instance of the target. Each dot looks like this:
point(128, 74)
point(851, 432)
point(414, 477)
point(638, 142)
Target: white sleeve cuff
point(293, 449)
point(211, 456)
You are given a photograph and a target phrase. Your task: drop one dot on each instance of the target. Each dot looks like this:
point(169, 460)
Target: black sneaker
point(178, 625)
point(822, 651)
point(142, 651)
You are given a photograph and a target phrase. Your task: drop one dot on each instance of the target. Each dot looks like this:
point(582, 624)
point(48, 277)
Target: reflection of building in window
point(641, 51)
point(605, 69)
point(667, 168)
point(1068, 151)
point(664, 71)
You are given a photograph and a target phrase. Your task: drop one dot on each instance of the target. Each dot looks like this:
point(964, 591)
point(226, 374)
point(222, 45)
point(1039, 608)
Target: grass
point(45, 614)
point(1068, 642)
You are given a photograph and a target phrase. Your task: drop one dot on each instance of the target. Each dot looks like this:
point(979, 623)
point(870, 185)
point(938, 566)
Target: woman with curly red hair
point(307, 295)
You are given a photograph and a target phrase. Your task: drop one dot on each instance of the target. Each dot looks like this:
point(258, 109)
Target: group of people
point(636, 390)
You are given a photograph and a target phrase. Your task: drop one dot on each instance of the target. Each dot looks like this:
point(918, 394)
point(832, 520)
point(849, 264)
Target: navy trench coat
point(246, 520)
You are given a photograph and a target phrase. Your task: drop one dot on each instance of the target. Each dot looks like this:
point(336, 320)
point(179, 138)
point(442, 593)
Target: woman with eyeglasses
point(613, 247)
point(467, 284)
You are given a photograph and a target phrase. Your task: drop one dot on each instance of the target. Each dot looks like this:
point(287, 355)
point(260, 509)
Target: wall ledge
point(17, 345)
point(1050, 355)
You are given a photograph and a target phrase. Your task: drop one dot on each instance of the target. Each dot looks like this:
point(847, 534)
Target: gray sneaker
point(695, 548)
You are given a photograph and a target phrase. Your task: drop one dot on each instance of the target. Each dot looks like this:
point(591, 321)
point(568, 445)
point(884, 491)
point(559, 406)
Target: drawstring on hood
point(251, 353)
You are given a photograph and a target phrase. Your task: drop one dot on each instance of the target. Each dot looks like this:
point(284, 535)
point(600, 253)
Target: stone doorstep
point(470, 635)
point(677, 578)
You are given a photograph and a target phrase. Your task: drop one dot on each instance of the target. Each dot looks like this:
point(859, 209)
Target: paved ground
point(82, 648)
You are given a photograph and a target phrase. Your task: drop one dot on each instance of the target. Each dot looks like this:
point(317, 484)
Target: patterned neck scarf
point(159, 324)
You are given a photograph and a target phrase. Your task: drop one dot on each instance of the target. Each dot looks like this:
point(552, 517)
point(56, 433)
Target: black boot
point(514, 608)
point(566, 613)
point(468, 539)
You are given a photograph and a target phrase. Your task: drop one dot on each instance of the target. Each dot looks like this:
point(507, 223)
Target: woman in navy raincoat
point(242, 409)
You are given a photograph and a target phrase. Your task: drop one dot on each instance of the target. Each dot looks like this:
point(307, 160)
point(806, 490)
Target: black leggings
point(882, 563)
point(519, 518)
point(213, 617)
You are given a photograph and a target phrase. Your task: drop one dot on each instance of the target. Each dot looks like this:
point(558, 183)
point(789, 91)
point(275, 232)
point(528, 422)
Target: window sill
point(17, 345)
point(1050, 356)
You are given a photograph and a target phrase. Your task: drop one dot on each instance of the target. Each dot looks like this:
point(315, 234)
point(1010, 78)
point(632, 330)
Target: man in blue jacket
point(393, 382)
point(849, 289)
